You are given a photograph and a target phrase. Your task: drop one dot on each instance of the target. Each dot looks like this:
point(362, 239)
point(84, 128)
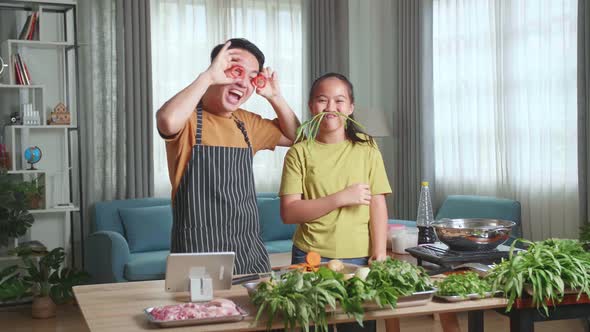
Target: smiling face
point(331, 95)
point(224, 99)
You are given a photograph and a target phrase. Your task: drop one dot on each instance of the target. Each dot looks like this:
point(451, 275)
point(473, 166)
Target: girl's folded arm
point(295, 210)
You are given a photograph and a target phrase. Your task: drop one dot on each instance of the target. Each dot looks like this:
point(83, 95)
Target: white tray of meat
point(214, 311)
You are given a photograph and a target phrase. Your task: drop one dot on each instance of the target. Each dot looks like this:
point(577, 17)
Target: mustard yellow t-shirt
point(322, 169)
point(264, 134)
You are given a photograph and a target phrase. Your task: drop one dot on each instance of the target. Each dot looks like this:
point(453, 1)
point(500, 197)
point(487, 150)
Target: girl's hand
point(222, 62)
point(377, 258)
point(271, 89)
point(357, 194)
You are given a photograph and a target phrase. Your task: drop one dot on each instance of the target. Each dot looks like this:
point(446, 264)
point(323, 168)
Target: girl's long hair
point(352, 131)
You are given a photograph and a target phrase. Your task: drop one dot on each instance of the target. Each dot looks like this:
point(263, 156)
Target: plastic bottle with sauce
point(425, 217)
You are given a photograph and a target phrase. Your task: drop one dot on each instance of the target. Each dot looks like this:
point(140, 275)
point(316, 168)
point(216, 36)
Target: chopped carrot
point(298, 266)
point(313, 259)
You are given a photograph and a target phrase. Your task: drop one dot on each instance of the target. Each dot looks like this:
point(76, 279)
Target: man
point(210, 143)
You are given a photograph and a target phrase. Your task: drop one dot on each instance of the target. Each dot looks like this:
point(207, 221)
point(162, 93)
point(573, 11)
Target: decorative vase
point(36, 202)
point(43, 307)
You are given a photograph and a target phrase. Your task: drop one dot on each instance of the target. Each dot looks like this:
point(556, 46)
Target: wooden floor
point(69, 318)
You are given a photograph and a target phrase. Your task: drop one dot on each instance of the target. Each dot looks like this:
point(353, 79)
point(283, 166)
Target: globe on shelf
point(32, 156)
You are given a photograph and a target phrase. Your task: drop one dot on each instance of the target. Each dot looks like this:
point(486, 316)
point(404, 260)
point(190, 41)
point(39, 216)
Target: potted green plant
point(14, 216)
point(32, 192)
point(13, 288)
point(47, 279)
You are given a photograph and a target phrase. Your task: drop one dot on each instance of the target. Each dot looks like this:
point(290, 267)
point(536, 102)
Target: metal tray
point(414, 300)
point(468, 297)
point(196, 321)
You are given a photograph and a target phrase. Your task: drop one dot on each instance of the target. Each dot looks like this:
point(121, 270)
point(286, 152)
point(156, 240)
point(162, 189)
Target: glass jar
point(391, 230)
point(403, 239)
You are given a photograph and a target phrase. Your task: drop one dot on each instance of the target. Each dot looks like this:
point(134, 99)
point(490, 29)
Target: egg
point(336, 265)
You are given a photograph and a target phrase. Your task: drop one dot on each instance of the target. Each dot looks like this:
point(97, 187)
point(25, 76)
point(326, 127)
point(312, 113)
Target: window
point(505, 106)
point(183, 34)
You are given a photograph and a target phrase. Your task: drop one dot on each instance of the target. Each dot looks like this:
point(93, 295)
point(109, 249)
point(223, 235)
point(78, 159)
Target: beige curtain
point(115, 98)
point(412, 118)
point(390, 65)
point(135, 94)
point(584, 108)
point(328, 37)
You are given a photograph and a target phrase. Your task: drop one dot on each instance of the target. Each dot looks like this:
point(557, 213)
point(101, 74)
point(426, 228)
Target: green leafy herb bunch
point(309, 129)
point(463, 284)
point(548, 268)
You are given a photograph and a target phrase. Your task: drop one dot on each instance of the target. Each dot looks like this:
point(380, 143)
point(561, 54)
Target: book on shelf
point(17, 74)
point(21, 72)
point(30, 30)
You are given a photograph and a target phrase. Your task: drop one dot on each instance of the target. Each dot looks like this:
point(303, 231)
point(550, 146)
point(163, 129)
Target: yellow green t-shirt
point(322, 169)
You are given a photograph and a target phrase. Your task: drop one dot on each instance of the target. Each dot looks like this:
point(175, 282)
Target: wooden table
point(524, 315)
point(119, 307)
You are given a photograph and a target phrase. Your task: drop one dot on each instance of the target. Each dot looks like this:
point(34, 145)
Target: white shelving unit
point(52, 65)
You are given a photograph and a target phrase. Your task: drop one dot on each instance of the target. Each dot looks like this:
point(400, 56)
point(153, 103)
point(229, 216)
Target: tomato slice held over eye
point(236, 71)
point(259, 81)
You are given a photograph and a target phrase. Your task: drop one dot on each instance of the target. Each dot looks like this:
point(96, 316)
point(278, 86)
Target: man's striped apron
point(215, 205)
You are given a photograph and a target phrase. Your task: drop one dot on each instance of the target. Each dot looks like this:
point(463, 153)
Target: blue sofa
point(471, 206)
point(130, 239)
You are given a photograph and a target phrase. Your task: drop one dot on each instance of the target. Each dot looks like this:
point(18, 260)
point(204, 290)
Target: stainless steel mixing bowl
point(473, 234)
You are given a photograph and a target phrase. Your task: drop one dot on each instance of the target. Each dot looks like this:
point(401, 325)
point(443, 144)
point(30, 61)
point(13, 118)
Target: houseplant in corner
point(32, 192)
point(14, 216)
point(50, 282)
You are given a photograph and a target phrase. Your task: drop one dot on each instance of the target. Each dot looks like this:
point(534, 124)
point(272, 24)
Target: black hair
point(243, 44)
point(352, 130)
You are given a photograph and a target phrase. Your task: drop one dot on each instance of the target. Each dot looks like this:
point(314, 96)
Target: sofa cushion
point(146, 266)
point(271, 224)
point(147, 228)
point(106, 214)
point(274, 247)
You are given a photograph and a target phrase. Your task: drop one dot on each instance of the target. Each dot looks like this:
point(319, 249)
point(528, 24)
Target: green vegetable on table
point(463, 284)
point(385, 283)
point(548, 268)
point(405, 277)
point(303, 298)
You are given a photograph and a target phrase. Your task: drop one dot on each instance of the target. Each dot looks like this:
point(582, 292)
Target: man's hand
point(271, 89)
point(216, 73)
point(357, 194)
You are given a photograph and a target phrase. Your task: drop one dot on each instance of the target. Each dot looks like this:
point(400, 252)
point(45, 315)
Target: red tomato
point(236, 71)
point(259, 81)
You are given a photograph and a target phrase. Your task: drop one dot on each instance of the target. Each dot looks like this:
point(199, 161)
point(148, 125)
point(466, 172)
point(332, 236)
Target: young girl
point(334, 188)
